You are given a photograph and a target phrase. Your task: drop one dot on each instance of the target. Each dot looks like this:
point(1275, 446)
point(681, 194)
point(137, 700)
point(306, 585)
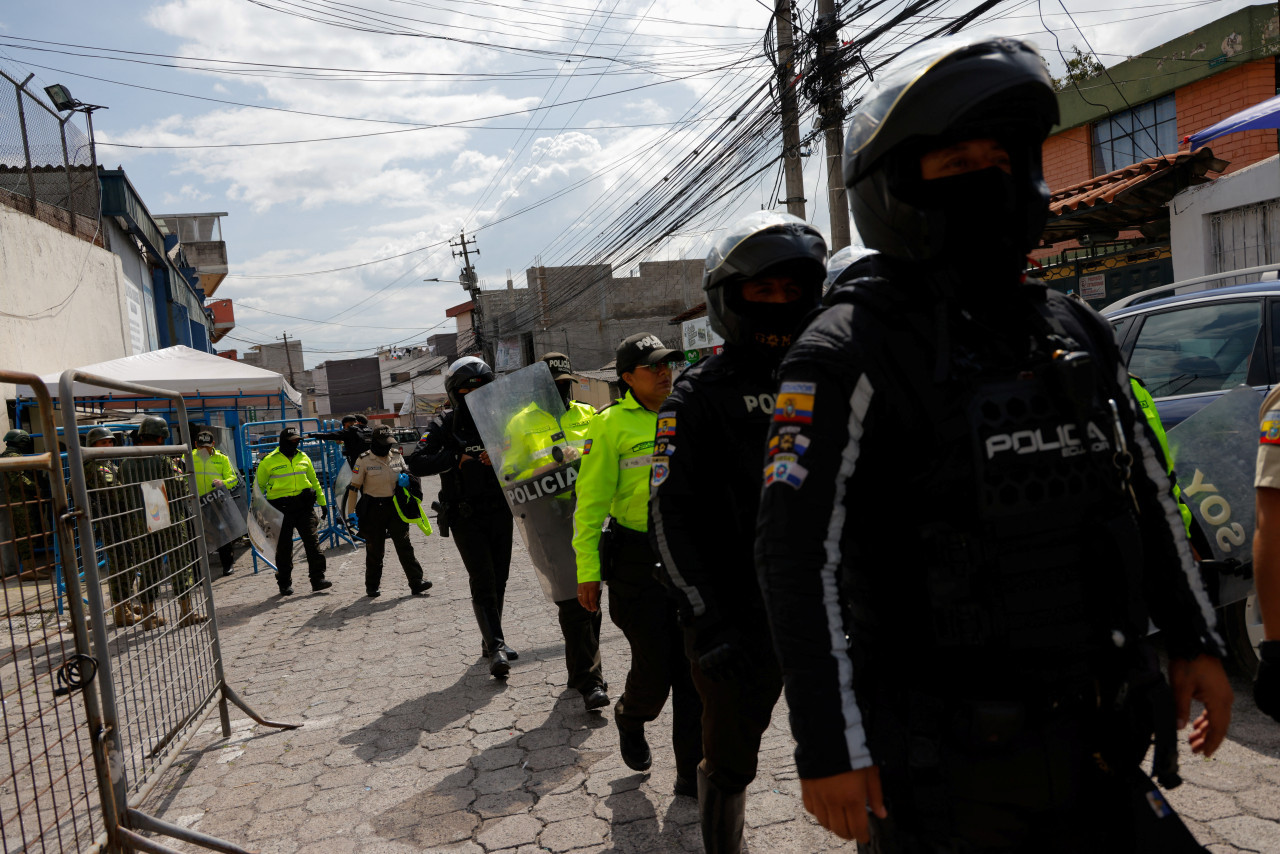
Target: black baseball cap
point(643, 348)
point(204, 437)
point(289, 433)
point(559, 365)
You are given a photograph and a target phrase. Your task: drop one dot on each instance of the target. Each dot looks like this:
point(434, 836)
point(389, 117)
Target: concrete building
point(1119, 156)
point(583, 311)
point(402, 372)
point(282, 359)
point(344, 386)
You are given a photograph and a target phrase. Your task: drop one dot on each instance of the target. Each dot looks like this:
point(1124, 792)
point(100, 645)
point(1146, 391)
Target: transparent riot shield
point(265, 523)
point(1214, 455)
point(518, 417)
point(222, 520)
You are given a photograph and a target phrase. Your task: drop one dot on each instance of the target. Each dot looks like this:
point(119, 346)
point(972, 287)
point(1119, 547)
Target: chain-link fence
point(49, 786)
point(45, 159)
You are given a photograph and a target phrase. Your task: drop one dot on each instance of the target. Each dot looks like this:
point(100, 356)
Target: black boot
point(491, 636)
point(721, 814)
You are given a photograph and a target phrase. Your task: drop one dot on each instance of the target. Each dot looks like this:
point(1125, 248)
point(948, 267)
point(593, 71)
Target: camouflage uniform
point(21, 497)
point(112, 528)
point(173, 542)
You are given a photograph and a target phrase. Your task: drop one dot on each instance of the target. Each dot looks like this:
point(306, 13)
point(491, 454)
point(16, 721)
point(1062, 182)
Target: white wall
point(1189, 213)
point(61, 301)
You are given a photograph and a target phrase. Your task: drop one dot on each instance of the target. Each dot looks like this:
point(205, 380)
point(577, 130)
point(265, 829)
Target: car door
point(1187, 356)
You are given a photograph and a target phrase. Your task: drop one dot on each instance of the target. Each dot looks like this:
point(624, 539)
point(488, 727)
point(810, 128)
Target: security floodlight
point(61, 97)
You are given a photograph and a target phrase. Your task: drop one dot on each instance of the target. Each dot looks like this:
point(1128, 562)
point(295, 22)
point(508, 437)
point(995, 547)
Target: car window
point(1121, 328)
point(1200, 348)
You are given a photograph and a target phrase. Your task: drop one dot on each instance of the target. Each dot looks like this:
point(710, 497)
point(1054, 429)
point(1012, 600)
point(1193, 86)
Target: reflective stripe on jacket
point(614, 478)
point(281, 477)
point(217, 466)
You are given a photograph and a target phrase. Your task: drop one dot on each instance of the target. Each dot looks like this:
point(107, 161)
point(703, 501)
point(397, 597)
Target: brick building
point(1119, 156)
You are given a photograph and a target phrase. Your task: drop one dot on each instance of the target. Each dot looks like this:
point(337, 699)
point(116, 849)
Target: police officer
point(472, 506)
point(102, 480)
point(172, 546)
point(288, 481)
point(376, 475)
point(614, 483)
point(961, 551)
point(354, 436)
point(761, 280)
point(534, 435)
point(22, 497)
point(214, 469)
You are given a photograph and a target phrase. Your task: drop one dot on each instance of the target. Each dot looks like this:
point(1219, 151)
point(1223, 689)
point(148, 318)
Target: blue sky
point(299, 208)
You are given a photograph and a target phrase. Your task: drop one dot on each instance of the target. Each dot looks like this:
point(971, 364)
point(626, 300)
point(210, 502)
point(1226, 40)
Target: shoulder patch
point(784, 469)
point(659, 473)
point(1270, 434)
point(666, 424)
point(794, 404)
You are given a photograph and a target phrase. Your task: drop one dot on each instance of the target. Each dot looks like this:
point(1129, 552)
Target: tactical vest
point(1001, 539)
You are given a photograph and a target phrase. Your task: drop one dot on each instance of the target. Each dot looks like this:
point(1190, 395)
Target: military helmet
point(467, 373)
point(20, 440)
point(941, 92)
point(97, 434)
point(153, 427)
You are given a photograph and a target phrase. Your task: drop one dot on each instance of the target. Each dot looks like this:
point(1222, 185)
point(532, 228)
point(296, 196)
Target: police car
point(1190, 346)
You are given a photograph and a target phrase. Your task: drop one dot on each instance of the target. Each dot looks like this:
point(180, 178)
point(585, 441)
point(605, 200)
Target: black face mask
point(289, 447)
point(770, 327)
point(565, 389)
point(382, 447)
point(984, 225)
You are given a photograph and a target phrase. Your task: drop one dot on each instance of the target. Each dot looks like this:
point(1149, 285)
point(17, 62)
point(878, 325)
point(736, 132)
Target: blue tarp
point(1258, 117)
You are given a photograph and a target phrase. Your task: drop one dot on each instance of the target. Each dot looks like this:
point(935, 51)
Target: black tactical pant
point(640, 607)
point(736, 712)
point(1034, 787)
point(581, 630)
point(299, 515)
point(483, 538)
point(226, 557)
point(378, 521)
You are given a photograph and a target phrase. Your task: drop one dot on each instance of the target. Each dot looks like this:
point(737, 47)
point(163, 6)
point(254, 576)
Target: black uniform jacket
point(884, 474)
point(705, 488)
point(474, 483)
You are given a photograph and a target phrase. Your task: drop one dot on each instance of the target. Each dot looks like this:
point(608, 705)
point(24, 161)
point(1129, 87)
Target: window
point(1147, 130)
point(1200, 348)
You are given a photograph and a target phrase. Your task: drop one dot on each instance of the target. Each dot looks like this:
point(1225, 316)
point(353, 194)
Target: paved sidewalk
point(409, 745)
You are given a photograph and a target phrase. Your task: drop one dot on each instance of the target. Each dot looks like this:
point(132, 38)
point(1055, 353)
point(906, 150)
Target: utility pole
point(831, 109)
point(792, 167)
point(471, 284)
point(287, 355)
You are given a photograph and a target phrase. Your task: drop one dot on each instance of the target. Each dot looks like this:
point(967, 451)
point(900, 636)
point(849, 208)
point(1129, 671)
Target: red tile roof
point(1127, 198)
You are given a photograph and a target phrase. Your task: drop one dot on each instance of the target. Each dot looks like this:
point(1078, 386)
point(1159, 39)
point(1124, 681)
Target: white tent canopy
point(181, 369)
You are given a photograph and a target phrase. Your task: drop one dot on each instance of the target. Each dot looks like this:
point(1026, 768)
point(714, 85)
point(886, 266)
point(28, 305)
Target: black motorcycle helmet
point(762, 244)
point(467, 373)
point(942, 92)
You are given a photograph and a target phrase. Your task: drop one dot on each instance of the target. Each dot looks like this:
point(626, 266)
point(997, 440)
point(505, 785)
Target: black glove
point(720, 652)
point(1266, 685)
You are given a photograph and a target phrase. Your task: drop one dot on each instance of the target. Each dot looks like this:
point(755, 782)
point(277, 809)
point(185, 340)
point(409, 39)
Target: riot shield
point(518, 416)
point(265, 523)
point(1214, 455)
point(222, 520)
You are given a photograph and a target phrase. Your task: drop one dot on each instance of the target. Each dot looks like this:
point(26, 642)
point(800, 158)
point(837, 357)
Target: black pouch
point(444, 518)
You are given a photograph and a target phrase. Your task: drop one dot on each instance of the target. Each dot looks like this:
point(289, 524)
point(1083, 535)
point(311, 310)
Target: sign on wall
point(698, 334)
point(1093, 286)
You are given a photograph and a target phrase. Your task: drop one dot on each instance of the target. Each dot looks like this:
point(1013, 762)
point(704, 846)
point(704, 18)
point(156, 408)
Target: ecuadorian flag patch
point(794, 404)
point(1270, 434)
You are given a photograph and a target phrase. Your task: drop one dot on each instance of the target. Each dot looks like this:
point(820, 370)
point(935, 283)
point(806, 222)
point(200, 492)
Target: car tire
point(1241, 627)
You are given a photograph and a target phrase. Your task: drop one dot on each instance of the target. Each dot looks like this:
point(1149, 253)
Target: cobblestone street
point(409, 744)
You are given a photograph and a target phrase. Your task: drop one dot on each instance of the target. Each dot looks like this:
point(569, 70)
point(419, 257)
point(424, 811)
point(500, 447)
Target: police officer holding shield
point(539, 441)
point(472, 506)
point(214, 469)
point(761, 280)
point(614, 483)
point(960, 553)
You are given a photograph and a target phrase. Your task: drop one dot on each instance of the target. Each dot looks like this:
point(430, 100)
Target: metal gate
point(50, 784)
point(153, 628)
point(1247, 236)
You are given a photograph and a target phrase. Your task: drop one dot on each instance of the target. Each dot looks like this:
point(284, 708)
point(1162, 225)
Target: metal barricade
point(154, 628)
point(50, 787)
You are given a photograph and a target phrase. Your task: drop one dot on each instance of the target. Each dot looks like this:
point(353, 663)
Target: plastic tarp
point(184, 370)
point(1258, 117)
